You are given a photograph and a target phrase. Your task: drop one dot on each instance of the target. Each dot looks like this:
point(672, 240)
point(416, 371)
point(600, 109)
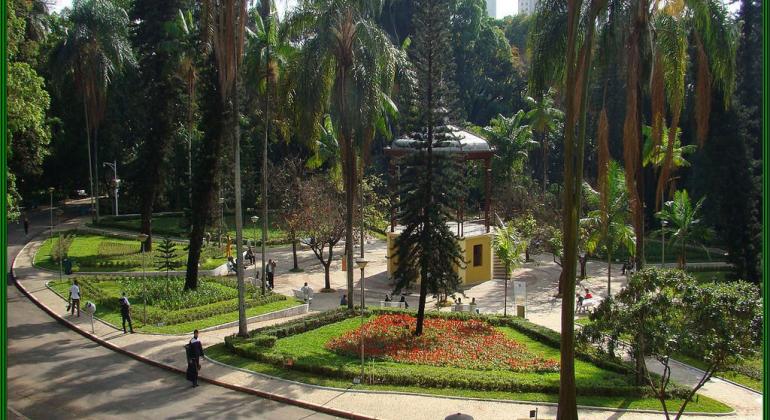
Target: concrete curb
point(173, 369)
point(373, 392)
point(283, 313)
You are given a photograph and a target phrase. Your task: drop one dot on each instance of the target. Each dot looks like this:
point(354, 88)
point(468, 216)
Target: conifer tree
point(167, 256)
point(427, 250)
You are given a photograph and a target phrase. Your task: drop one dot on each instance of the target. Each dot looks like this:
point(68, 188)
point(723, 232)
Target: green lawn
point(652, 253)
point(108, 292)
point(220, 353)
point(174, 226)
point(754, 364)
point(99, 253)
point(308, 350)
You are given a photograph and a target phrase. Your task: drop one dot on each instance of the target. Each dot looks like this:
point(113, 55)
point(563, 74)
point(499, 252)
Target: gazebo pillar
point(487, 187)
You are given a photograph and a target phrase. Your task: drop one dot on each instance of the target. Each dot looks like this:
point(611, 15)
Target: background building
point(492, 8)
point(526, 7)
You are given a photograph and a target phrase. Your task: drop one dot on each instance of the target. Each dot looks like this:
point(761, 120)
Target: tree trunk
point(96, 170)
point(294, 252)
point(577, 76)
point(90, 162)
point(207, 176)
point(421, 305)
point(235, 126)
point(609, 273)
point(327, 264)
point(264, 150)
point(545, 163)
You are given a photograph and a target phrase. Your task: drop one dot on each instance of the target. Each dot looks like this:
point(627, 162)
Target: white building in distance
point(526, 7)
point(492, 8)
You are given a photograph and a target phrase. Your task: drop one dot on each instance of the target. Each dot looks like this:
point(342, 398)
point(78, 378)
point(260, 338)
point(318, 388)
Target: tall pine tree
point(430, 181)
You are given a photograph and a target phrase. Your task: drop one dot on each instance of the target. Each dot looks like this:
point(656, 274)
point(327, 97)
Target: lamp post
point(50, 233)
point(59, 213)
point(116, 181)
point(222, 219)
point(664, 223)
point(255, 219)
point(143, 237)
point(361, 263)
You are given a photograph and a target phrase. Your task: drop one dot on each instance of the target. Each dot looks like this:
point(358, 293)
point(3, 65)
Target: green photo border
point(4, 225)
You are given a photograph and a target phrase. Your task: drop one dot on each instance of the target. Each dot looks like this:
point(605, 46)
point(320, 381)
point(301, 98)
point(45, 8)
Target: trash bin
point(520, 311)
point(67, 263)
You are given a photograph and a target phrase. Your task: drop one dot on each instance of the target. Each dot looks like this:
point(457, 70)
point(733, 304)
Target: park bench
point(464, 307)
point(389, 304)
point(590, 304)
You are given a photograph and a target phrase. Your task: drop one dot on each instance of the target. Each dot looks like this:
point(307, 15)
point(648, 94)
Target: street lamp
point(222, 219)
point(142, 238)
point(50, 233)
point(664, 223)
point(255, 219)
point(116, 181)
point(361, 263)
point(59, 213)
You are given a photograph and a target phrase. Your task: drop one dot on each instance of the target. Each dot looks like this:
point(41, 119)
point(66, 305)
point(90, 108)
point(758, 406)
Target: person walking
point(194, 353)
point(269, 273)
point(26, 226)
point(125, 313)
point(307, 293)
point(74, 298)
point(344, 300)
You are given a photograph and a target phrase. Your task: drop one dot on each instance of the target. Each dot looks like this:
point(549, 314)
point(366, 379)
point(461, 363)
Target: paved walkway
point(167, 350)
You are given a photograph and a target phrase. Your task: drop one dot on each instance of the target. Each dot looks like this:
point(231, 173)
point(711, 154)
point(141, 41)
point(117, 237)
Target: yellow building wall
point(469, 274)
point(483, 272)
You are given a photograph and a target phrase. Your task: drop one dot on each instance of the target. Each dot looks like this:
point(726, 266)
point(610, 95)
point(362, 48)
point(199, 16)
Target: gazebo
point(476, 243)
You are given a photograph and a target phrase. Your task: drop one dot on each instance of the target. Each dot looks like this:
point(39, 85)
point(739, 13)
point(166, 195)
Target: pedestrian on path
point(307, 293)
point(74, 298)
point(125, 313)
point(344, 300)
point(26, 226)
point(269, 269)
point(194, 351)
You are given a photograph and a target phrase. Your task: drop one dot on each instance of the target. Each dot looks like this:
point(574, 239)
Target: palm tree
point(543, 117)
point(187, 70)
point(557, 22)
point(346, 66)
point(95, 50)
point(268, 55)
point(683, 222)
point(672, 30)
point(223, 25)
point(607, 225)
point(513, 140)
point(509, 247)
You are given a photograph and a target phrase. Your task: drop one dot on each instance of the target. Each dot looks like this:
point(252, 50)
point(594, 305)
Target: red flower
point(471, 344)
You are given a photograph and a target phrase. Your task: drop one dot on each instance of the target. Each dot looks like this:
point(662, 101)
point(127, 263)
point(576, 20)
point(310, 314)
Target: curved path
point(54, 372)
point(166, 350)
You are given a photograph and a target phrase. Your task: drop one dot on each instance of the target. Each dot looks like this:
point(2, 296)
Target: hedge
point(157, 315)
point(254, 347)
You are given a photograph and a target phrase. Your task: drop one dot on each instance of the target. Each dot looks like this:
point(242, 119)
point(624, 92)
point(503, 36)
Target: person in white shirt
point(307, 293)
point(125, 313)
point(75, 298)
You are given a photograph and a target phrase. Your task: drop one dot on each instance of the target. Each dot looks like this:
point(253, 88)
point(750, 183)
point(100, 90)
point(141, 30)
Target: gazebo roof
point(464, 142)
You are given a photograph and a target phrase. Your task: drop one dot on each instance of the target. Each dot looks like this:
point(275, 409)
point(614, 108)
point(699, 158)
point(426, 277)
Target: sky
point(504, 7)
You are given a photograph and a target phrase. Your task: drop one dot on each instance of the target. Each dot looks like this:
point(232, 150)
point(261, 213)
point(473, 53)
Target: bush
point(264, 340)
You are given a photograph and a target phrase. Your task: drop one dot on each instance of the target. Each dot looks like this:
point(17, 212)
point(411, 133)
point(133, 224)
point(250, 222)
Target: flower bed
point(470, 344)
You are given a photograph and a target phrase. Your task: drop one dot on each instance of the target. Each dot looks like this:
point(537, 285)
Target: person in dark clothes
point(403, 299)
point(26, 226)
point(344, 300)
point(194, 353)
point(125, 313)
